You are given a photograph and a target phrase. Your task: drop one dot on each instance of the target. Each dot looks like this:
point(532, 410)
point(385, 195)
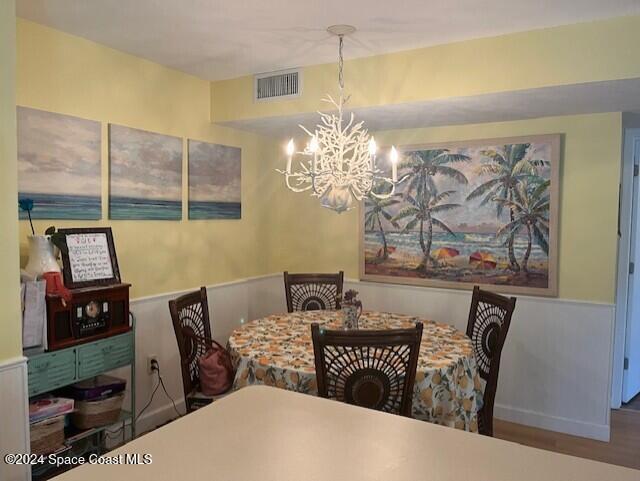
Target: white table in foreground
point(270, 434)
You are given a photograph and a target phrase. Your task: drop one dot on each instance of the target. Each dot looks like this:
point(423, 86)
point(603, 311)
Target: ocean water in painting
point(215, 210)
point(130, 208)
point(465, 243)
point(60, 206)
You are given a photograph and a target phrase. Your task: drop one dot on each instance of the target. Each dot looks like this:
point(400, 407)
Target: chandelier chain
point(340, 64)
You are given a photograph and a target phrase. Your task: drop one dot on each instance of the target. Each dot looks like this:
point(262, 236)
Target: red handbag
point(215, 369)
point(215, 376)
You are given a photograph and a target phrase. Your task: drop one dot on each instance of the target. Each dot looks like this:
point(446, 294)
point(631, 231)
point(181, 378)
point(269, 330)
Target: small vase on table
point(351, 310)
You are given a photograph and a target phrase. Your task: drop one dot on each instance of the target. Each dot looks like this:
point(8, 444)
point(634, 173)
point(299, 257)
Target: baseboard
point(159, 416)
point(14, 416)
point(600, 432)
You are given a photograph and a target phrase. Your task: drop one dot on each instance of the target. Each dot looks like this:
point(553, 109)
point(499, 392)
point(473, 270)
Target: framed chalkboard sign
point(89, 258)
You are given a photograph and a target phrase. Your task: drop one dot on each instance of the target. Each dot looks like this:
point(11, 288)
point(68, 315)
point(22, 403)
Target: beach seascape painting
point(469, 213)
point(214, 181)
point(59, 165)
point(145, 175)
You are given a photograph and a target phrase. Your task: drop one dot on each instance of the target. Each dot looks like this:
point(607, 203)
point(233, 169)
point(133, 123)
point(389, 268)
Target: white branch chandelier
point(339, 162)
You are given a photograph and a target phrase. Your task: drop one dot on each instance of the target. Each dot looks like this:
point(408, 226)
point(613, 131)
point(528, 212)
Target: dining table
point(268, 434)
point(277, 350)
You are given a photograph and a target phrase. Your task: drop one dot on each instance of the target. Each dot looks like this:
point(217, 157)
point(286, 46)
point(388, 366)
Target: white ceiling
point(594, 97)
point(218, 39)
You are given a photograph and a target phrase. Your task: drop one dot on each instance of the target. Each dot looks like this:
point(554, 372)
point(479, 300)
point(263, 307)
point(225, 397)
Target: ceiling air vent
point(278, 85)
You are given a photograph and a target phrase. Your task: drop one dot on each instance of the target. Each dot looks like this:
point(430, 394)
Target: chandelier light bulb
point(290, 148)
point(394, 155)
point(394, 164)
point(373, 148)
point(313, 144)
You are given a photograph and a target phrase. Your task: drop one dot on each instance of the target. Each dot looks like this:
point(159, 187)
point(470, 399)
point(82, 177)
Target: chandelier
point(340, 161)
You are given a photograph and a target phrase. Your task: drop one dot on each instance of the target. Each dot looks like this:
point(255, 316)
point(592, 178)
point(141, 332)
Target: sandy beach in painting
point(404, 262)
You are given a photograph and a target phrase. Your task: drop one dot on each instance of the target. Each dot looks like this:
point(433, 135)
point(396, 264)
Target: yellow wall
point(10, 324)
point(570, 54)
point(61, 73)
point(590, 173)
point(281, 230)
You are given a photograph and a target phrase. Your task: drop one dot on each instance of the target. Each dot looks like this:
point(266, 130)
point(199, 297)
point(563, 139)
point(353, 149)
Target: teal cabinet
point(50, 371)
point(105, 355)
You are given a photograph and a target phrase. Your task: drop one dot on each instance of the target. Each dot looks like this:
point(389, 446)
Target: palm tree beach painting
point(58, 165)
point(145, 175)
point(214, 181)
point(479, 212)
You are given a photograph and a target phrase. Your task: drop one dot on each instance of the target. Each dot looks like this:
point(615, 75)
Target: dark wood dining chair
point(313, 292)
point(489, 320)
point(367, 368)
point(190, 316)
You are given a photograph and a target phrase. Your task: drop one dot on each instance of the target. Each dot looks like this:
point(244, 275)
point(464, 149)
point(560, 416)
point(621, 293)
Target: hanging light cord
point(340, 64)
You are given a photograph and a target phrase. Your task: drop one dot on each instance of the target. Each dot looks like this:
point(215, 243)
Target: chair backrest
point(190, 315)
point(373, 369)
point(313, 292)
point(489, 320)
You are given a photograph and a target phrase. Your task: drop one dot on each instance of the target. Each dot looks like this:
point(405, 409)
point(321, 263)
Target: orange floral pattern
point(277, 351)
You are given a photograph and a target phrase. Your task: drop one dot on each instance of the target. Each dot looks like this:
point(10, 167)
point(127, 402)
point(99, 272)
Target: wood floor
point(634, 404)
point(623, 449)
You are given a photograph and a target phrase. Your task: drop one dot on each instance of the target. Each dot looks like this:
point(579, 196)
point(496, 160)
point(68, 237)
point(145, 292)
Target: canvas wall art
point(480, 212)
point(214, 181)
point(145, 175)
point(59, 165)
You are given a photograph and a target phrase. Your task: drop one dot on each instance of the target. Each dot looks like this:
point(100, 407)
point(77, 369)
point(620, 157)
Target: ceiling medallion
point(340, 160)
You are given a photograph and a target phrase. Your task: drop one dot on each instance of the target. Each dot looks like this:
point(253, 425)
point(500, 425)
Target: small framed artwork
point(89, 258)
point(59, 165)
point(214, 181)
point(145, 175)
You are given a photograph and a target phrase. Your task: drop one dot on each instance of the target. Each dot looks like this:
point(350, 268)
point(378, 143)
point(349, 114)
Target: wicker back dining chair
point(313, 292)
point(190, 316)
point(375, 369)
point(489, 320)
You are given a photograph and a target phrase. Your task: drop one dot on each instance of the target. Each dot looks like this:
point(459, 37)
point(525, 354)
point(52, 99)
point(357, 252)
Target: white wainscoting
point(230, 304)
point(14, 417)
point(555, 370)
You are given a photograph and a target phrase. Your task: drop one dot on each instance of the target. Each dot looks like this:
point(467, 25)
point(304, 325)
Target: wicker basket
point(93, 414)
point(47, 435)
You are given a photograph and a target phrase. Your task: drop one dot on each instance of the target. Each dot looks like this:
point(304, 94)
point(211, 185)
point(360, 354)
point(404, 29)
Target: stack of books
point(49, 407)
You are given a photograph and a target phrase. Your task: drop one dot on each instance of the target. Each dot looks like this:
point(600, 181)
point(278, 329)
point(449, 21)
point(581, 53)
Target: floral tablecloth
point(278, 351)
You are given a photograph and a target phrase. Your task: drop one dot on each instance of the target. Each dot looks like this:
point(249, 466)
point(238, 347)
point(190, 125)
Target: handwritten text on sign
point(89, 257)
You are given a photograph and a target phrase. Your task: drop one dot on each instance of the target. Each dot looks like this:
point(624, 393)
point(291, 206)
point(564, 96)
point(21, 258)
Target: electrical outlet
point(151, 359)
